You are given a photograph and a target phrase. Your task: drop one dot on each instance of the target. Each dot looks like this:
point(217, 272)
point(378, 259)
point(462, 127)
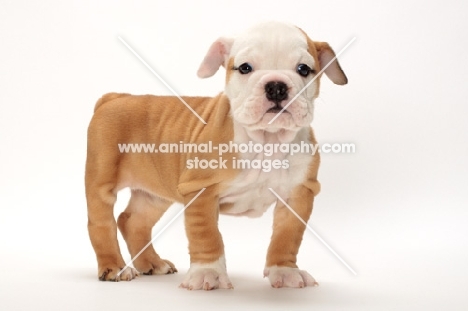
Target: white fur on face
point(274, 50)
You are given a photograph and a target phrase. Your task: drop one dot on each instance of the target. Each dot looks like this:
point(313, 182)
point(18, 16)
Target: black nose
point(276, 91)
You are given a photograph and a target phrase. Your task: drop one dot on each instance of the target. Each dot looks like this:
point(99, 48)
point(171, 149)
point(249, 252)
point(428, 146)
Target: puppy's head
point(268, 68)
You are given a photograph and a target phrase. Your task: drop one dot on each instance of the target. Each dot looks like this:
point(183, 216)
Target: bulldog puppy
point(266, 67)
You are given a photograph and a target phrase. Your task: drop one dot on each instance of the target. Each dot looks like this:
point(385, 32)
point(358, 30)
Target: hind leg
point(103, 234)
point(136, 223)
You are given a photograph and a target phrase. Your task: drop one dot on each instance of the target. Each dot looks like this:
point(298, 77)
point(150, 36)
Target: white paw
point(129, 274)
point(288, 277)
point(207, 276)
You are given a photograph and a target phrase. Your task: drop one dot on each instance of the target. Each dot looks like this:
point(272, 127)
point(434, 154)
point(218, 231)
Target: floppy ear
point(217, 56)
point(333, 71)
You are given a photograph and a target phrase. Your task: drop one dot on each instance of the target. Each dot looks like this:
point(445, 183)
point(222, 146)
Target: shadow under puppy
point(266, 67)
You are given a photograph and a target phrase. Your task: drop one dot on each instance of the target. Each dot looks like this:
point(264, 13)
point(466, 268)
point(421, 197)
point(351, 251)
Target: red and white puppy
point(266, 68)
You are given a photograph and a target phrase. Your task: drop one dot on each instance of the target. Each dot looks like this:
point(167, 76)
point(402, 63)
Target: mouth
point(275, 110)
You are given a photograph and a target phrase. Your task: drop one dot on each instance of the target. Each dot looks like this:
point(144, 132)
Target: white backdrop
point(395, 210)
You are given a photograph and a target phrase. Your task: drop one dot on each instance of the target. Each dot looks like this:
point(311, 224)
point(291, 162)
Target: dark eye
point(304, 70)
point(245, 68)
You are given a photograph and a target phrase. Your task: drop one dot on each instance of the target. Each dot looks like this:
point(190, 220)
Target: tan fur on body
point(161, 178)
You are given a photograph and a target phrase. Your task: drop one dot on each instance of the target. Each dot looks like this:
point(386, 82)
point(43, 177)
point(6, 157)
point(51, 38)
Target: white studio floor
point(395, 210)
point(404, 261)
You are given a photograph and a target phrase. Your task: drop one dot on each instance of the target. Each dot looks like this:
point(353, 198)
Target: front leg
point(288, 230)
point(207, 263)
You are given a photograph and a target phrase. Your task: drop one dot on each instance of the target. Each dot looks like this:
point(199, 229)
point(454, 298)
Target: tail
point(107, 98)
